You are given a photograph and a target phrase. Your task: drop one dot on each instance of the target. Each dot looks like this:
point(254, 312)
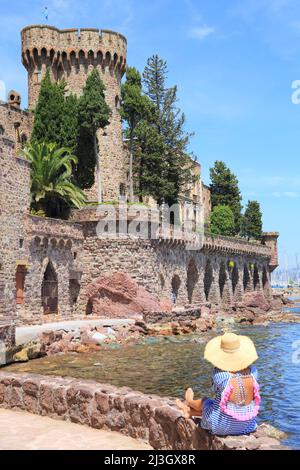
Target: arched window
point(50, 290)
point(20, 283)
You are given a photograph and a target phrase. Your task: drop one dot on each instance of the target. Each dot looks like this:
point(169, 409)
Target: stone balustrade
point(154, 419)
point(53, 228)
point(235, 245)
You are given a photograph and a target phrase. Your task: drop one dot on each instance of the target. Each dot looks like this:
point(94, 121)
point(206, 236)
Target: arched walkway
point(175, 284)
point(50, 290)
point(222, 278)
point(192, 279)
point(235, 278)
point(256, 280)
point(208, 279)
point(246, 279)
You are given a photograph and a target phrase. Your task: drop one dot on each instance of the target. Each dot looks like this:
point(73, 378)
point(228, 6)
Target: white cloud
point(201, 32)
point(289, 194)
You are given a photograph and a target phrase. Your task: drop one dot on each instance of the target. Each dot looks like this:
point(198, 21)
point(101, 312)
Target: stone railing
point(151, 418)
point(235, 245)
point(46, 227)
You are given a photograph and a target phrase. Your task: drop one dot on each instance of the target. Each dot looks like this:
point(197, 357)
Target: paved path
point(25, 431)
point(24, 334)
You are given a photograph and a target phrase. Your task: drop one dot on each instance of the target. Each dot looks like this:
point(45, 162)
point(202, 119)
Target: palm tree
point(51, 178)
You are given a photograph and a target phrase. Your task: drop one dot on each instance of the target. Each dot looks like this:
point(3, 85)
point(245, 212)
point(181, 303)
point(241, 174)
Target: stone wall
point(214, 275)
point(154, 419)
point(72, 54)
point(15, 125)
point(57, 243)
point(14, 203)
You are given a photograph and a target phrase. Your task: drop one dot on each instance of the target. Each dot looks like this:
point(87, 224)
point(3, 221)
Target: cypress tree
point(169, 121)
point(252, 221)
point(135, 107)
point(225, 191)
point(49, 113)
point(93, 114)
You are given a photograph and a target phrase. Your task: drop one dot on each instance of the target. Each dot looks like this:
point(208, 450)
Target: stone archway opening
point(265, 279)
point(246, 278)
point(192, 279)
point(74, 289)
point(175, 284)
point(50, 290)
point(162, 282)
point(235, 278)
point(255, 277)
point(20, 284)
point(222, 278)
point(208, 279)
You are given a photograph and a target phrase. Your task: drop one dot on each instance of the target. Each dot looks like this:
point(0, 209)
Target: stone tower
point(72, 54)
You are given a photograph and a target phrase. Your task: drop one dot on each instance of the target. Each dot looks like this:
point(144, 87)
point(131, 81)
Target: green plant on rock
point(52, 189)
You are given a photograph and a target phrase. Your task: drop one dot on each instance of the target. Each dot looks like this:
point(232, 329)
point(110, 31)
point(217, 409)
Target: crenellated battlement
point(42, 44)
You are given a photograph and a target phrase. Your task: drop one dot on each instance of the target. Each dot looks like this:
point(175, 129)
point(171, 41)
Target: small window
point(1, 130)
point(117, 102)
point(23, 140)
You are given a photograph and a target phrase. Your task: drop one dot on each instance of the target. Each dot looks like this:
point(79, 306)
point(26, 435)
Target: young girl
point(234, 409)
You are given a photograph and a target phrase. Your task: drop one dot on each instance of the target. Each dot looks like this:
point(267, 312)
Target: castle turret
point(72, 54)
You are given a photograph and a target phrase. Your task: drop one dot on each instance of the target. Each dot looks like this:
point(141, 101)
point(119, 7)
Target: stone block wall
point(166, 266)
point(14, 204)
point(72, 54)
point(151, 418)
point(15, 125)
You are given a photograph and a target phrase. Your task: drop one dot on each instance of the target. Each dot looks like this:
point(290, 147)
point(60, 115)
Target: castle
point(46, 265)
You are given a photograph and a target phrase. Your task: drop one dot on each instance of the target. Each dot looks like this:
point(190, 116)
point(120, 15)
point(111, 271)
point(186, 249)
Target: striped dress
point(224, 418)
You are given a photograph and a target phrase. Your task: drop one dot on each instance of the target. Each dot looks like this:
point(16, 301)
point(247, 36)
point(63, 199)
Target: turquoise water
point(170, 366)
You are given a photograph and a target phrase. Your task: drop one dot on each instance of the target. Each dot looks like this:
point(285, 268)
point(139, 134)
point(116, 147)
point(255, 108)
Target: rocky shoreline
point(155, 326)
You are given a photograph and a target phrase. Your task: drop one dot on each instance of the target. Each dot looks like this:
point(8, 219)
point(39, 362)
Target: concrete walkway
point(25, 431)
point(24, 334)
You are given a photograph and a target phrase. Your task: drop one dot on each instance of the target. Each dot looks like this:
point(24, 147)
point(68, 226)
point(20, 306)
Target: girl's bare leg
point(190, 407)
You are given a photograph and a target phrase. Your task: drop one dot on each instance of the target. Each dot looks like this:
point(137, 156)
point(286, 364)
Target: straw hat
point(231, 352)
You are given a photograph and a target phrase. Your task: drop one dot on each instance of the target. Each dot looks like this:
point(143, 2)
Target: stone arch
point(234, 278)
point(208, 279)
point(115, 59)
point(107, 58)
point(81, 57)
point(265, 279)
point(246, 278)
point(175, 284)
point(99, 57)
point(73, 57)
point(20, 284)
point(44, 55)
point(192, 279)
point(256, 279)
point(91, 56)
point(74, 290)
point(50, 290)
point(222, 278)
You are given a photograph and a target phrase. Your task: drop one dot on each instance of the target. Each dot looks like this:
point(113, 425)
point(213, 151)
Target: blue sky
point(234, 62)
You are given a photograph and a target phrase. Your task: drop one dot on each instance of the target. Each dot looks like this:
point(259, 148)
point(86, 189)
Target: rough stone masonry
point(47, 266)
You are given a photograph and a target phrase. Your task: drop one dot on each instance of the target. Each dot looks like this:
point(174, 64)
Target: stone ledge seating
point(154, 419)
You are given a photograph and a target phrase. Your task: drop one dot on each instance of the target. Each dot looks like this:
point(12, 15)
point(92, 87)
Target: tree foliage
point(252, 221)
point(52, 188)
point(222, 221)
point(225, 191)
point(169, 122)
